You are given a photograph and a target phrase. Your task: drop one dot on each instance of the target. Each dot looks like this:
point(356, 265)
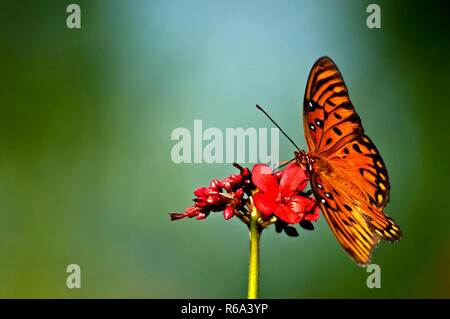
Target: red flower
point(282, 198)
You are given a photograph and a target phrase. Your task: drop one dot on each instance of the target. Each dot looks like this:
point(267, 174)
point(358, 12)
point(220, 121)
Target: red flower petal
point(288, 215)
point(316, 210)
point(300, 204)
point(263, 179)
point(294, 178)
point(312, 217)
point(264, 203)
point(313, 211)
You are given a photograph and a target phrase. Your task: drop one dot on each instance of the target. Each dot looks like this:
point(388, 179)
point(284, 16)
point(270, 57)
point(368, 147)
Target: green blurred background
point(86, 175)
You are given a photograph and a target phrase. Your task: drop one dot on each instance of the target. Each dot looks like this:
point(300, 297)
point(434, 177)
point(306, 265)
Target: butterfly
point(348, 176)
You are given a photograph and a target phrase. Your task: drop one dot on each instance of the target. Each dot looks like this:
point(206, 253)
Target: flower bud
point(228, 183)
point(200, 202)
point(227, 186)
point(201, 215)
point(245, 172)
point(239, 193)
point(192, 211)
point(176, 216)
point(215, 184)
point(228, 212)
point(202, 191)
point(214, 200)
point(212, 192)
point(239, 178)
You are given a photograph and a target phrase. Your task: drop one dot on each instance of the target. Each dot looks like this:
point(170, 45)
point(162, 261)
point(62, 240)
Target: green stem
point(253, 274)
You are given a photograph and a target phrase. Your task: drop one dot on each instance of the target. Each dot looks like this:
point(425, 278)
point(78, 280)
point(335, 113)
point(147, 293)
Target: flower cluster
point(226, 195)
point(278, 198)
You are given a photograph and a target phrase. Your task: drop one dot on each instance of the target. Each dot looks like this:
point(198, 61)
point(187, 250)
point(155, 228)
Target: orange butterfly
point(348, 176)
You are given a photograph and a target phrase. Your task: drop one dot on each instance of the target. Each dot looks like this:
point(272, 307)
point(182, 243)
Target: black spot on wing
point(337, 131)
point(313, 105)
point(319, 123)
point(356, 148)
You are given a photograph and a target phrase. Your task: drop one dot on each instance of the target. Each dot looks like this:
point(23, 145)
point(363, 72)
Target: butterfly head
point(303, 160)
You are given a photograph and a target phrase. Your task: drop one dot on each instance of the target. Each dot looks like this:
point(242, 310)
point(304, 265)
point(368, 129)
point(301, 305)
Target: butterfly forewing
point(349, 178)
point(328, 114)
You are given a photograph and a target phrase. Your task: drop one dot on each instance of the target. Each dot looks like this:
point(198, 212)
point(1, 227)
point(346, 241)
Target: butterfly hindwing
point(360, 161)
point(351, 229)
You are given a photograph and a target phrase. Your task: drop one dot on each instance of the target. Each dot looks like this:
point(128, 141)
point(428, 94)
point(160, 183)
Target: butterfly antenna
point(286, 162)
point(265, 113)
